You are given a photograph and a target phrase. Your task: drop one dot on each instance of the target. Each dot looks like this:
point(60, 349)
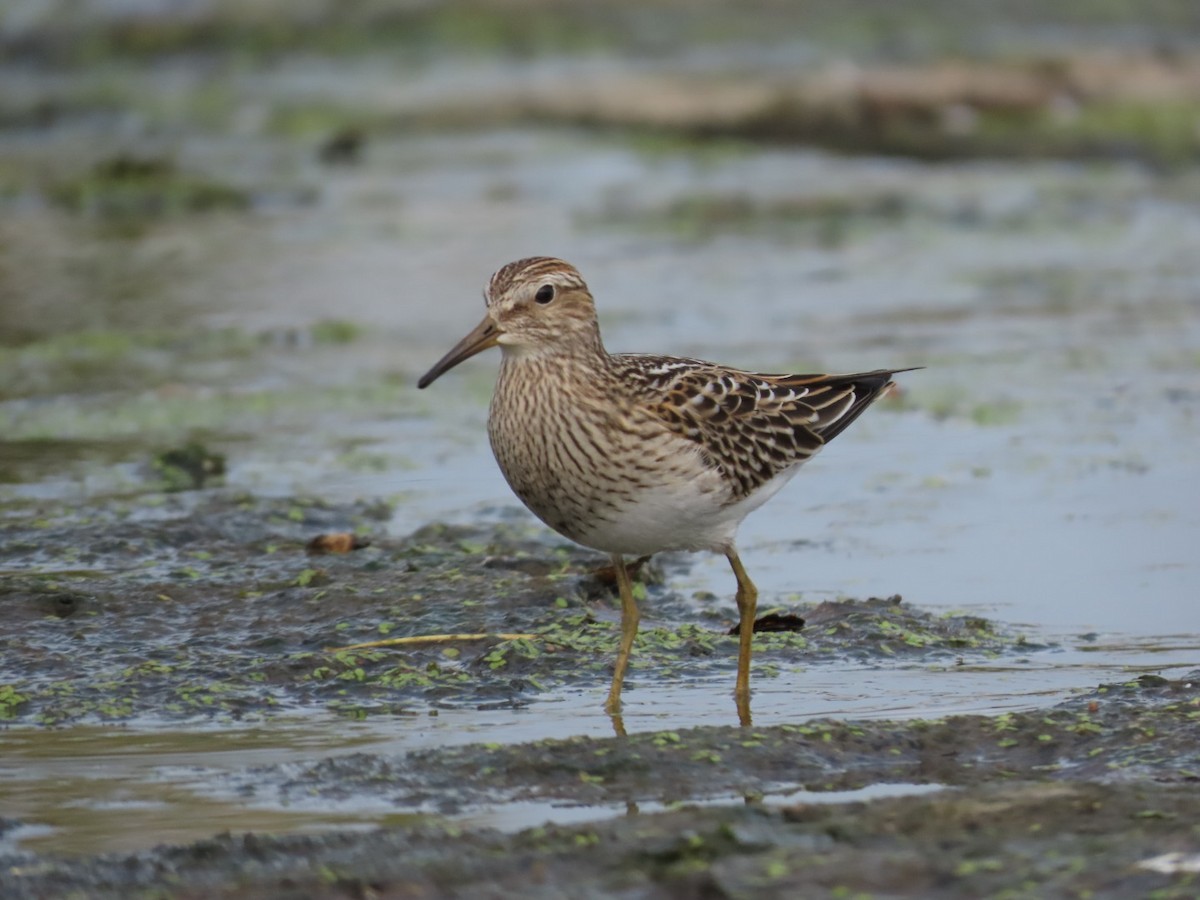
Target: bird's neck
point(584, 352)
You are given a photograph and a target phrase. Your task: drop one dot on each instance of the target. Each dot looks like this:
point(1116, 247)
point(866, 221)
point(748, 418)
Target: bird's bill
point(483, 336)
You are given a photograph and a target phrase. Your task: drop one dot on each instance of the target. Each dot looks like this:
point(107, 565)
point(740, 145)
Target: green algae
point(131, 393)
point(828, 221)
point(189, 467)
point(127, 579)
point(954, 402)
point(100, 360)
point(129, 188)
point(10, 701)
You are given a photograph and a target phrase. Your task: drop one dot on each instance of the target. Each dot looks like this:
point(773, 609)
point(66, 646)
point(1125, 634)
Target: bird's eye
point(544, 294)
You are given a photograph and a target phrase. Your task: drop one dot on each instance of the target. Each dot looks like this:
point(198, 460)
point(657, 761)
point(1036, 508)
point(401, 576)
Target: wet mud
point(1015, 839)
point(213, 607)
point(217, 605)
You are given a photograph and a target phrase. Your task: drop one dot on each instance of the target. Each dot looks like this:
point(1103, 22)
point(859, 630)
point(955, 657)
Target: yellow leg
point(747, 603)
point(629, 628)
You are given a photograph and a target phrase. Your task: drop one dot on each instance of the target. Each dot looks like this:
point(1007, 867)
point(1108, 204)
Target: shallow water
point(98, 790)
point(94, 789)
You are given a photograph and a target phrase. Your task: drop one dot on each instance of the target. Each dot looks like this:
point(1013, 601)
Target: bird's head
point(534, 306)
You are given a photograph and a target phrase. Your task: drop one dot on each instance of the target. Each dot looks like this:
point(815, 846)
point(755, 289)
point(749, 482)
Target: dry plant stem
point(435, 639)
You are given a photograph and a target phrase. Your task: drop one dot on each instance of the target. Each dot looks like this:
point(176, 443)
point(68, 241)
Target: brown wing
point(752, 426)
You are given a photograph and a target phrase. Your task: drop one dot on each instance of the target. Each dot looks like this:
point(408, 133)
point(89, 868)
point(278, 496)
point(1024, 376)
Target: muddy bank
point(1141, 731)
point(1081, 106)
point(215, 605)
point(1095, 797)
point(212, 608)
point(1020, 839)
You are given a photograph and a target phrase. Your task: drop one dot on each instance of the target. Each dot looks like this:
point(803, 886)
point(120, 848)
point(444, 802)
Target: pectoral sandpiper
point(633, 454)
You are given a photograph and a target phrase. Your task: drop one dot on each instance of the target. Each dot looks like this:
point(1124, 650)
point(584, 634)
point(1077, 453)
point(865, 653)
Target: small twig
point(435, 639)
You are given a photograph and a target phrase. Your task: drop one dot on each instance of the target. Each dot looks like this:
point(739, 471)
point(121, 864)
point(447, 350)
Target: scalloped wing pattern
point(751, 426)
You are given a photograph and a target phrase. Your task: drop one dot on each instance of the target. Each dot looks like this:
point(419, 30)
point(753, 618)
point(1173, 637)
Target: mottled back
point(752, 426)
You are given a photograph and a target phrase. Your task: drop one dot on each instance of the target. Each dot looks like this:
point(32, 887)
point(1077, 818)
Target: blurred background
point(250, 225)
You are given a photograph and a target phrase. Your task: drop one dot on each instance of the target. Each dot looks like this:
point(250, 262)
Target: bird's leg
point(629, 627)
point(747, 603)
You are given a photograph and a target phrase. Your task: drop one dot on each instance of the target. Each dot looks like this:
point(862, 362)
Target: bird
point(634, 454)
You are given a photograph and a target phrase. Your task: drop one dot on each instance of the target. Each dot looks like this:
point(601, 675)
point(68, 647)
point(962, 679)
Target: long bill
point(483, 336)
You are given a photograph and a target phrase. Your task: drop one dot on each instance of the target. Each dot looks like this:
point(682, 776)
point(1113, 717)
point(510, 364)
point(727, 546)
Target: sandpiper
point(633, 454)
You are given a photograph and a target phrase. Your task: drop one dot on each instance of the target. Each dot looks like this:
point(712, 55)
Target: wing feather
point(750, 426)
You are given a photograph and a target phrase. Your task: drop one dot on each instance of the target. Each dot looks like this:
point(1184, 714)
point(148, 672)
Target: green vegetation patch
point(126, 188)
point(93, 361)
point(188, 467)
point(826, 220)
point(207, 603)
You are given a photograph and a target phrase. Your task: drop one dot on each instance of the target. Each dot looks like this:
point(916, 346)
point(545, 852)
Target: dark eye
point(544, 294)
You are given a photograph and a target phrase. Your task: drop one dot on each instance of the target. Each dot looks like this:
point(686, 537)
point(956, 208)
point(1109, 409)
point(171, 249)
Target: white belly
point(677, 517)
